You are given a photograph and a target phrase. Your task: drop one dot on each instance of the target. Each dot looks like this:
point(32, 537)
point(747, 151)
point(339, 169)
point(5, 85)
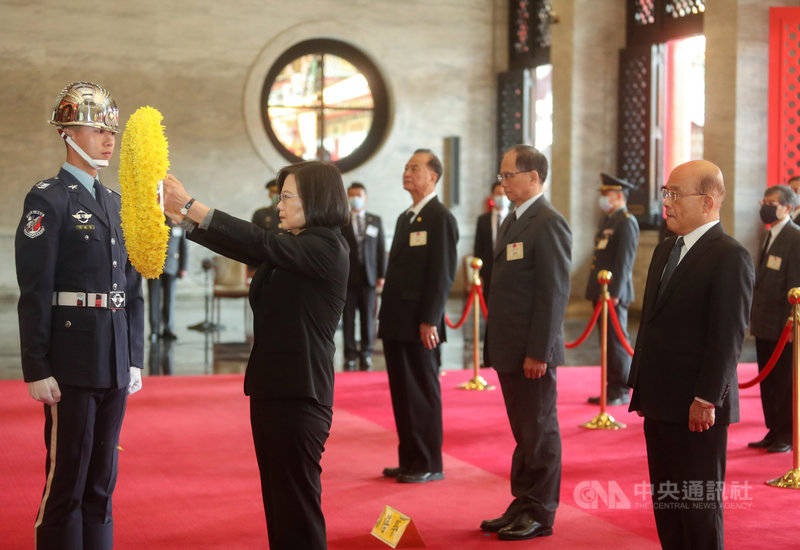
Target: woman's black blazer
point(297, 295)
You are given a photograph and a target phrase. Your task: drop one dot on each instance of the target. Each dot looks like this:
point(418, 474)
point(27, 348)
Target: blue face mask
point(357, 202)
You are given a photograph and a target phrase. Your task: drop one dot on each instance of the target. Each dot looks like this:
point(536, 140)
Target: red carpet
point(188, 476)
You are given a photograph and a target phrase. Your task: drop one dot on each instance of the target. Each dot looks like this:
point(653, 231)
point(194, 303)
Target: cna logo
point(590, 494)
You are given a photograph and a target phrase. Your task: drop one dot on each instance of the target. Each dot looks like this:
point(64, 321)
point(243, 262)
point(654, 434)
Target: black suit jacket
point(297, 295)
point(615, 250)
point(67, 242)
point(374, 266)
point(529, 295)
point(775, 276)
point(418, 278)
point(690, 337)
point(484, 248)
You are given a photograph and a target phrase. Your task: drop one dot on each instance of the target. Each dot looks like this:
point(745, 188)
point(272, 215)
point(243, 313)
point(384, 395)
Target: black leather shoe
point(613, 402)
point(779, 447)
point(169, 335)
point(523, 528)
point(349, 365)
point(768, 440)
point(420, 477)
point(392, 472)
point(494, 525)
point(366, 363)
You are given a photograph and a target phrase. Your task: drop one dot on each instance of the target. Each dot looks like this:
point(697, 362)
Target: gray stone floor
point(225, 351)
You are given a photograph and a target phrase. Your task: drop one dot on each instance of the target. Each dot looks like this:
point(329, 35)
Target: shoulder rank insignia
point(42, 185)
point(82, 216)
point(33, 224)
point(73, 187)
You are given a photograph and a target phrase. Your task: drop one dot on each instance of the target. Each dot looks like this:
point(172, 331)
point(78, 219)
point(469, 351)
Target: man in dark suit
point(421, 270)
point(486, 234)
point(364, 235)
point(161, 291)
point(695, 312)
point(525, 340)
point(615, 250)
point(81, 324)
point(777, 272)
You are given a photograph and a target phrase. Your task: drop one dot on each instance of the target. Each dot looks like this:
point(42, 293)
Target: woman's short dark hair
point(529, 158)
point(321, 191)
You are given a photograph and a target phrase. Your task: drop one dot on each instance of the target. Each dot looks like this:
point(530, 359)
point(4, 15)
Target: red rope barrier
point(589, 327)
point(618, 329)
point(772, 358)
point(484, 310)
point(466, 310)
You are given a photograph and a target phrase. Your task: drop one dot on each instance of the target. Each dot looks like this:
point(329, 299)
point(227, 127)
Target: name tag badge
point(774, 262)
point(514, 251)
point(371, 231)
point(418, 238)
point(601, 244)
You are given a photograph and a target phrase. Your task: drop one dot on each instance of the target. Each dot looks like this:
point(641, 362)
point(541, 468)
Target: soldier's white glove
point(46, 390)
point(136, 380)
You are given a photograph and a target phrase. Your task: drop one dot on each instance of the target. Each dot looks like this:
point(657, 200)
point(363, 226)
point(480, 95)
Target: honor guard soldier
point(81, 320)
point(615, 250)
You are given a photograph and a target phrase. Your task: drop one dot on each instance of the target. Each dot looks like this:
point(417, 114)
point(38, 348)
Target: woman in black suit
point(297, 295)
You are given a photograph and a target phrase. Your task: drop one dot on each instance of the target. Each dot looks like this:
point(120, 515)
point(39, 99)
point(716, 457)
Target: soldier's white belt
point(110, 300)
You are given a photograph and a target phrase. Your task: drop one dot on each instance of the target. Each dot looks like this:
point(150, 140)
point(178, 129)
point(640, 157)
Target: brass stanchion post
point(791, 480)
point(603, 421)
point(478, 382)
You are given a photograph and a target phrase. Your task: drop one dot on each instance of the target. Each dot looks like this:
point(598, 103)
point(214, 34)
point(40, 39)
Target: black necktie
point(766, 247)
point(360, 237)
point(672, 263)
point(501, 232)
point(98, 195)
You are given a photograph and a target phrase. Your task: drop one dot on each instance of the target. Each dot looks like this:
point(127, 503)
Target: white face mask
point(604, 203)
point(501, 203)
point(357, 202)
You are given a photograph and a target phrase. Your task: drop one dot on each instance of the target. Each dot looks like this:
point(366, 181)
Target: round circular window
point(324, 99)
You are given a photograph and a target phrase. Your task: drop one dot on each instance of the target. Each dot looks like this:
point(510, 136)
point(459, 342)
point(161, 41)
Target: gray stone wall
point(202, 63)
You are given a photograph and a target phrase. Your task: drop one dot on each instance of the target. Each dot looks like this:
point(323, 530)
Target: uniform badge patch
point(73, 187)
point(42, 185)
point(82, 216)
point(33, 223)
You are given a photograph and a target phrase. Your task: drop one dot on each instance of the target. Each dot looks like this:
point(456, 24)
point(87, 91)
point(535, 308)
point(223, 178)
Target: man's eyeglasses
point(284, 196)
point(674, 195)
point(509, 175)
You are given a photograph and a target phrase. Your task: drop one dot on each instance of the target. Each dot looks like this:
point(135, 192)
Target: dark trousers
point(618, 360)
point(680, 461)
point(161, 293)
point(81, 435)
point(417, 403)
point(536, 462)
point(776, 390)
point(360, 298)
point(289, 437)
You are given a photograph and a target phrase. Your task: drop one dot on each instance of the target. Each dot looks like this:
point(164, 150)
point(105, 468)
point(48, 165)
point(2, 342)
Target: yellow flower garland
point(144, 161)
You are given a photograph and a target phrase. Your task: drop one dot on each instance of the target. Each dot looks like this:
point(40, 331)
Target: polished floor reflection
point(225, 350)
